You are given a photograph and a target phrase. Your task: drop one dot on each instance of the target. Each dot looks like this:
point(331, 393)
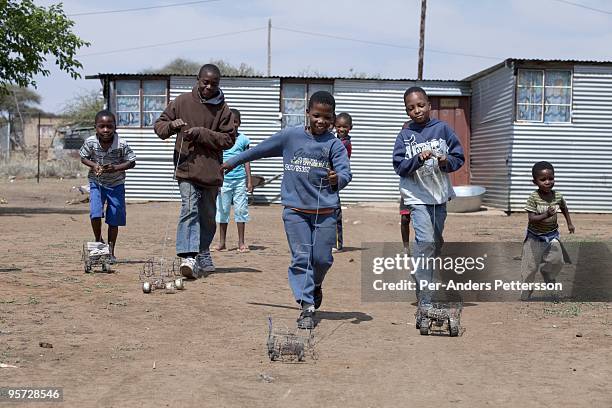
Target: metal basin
point(468, 199)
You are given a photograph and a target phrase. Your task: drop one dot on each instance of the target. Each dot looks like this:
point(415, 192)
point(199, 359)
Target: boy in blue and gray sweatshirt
point(424, 153)
point(315, 168)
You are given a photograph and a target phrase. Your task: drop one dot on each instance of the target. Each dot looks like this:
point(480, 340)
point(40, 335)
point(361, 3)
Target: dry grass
point(27, 167)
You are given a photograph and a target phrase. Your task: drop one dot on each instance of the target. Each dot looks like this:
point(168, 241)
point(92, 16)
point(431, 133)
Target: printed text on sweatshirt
point(306, 159)
point(425, 182)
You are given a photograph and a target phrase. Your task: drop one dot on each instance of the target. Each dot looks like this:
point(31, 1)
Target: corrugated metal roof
point(479, 74)
point(330, 78)
point(572, 61)
point(531, 60)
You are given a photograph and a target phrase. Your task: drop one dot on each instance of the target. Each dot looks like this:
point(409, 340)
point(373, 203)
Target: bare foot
point(219, 248)
point(243, 248)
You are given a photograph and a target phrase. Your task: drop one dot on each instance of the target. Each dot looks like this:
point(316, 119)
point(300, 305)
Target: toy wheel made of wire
point(272, 352)
point(300, 354)
point(418, 316)
point(453, 327)
point(424, 326)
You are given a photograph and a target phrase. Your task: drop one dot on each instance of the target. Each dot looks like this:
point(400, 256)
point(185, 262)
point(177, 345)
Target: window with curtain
point(140, 102)
point(294, 101)
point(544, 96)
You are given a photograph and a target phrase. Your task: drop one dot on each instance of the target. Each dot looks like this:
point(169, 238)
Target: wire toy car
point(439, 317)
point(289, 345)
point(157, 274)
point(96, 255)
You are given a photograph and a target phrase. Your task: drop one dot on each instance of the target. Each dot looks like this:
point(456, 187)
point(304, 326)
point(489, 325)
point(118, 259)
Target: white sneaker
point(189, 268)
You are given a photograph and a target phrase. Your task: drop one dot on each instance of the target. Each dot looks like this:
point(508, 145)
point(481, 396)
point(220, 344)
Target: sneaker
point(526, 295)
point(318, 297)
point(189, 268)
point(205, 262)
point(306, 319)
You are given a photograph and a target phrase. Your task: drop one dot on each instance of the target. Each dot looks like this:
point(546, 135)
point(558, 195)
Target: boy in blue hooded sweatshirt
point(315, 168)
point(424, 153)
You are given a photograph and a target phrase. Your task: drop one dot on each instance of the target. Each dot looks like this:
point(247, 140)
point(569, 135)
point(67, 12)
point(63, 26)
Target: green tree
point(230, 70)
point(182, 66)
point(29, 34)
point(352, 73)
point(309, 72)
point(19, 100)
point(178, 66)
point(82, 108)
point(16, 105)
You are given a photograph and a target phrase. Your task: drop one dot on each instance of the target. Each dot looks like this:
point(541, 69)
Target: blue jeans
point(196, 225)
point(428, 223)
point(311, 238)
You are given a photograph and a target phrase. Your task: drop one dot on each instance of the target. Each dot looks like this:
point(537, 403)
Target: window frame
point(141, 97)
point(301, 81)
point(543, 103)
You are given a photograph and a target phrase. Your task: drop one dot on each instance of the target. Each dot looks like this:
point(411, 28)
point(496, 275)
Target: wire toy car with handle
point(289, 345)
point(157, 274)
point(439, 317)
point(96, 254)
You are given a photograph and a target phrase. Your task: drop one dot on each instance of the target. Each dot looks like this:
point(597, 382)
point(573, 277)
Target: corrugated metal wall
point(258, 99)
point(580, 151)
point(492, 116)
point(378, 112)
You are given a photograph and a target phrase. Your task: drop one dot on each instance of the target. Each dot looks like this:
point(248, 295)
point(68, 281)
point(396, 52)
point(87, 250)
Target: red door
point(456, 112)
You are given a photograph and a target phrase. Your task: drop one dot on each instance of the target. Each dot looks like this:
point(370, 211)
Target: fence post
point(38, 171)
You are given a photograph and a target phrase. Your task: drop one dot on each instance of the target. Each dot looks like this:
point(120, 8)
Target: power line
point(337, 37)
point(91, 13)
point(284, 29)
point(170, 43)
point(571, 3)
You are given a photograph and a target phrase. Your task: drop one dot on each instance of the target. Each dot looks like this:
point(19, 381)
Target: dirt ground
point(114, 346)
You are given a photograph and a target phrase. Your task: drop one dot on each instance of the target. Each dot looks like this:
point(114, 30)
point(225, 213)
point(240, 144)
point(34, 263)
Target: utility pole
point(269, 47)
point(422, 40)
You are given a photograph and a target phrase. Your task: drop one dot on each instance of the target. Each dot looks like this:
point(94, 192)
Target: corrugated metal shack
point(508, 117)
point(269, 103)
point(524, 111)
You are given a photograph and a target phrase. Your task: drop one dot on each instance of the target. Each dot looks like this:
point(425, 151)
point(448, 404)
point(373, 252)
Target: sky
point(462, 37)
